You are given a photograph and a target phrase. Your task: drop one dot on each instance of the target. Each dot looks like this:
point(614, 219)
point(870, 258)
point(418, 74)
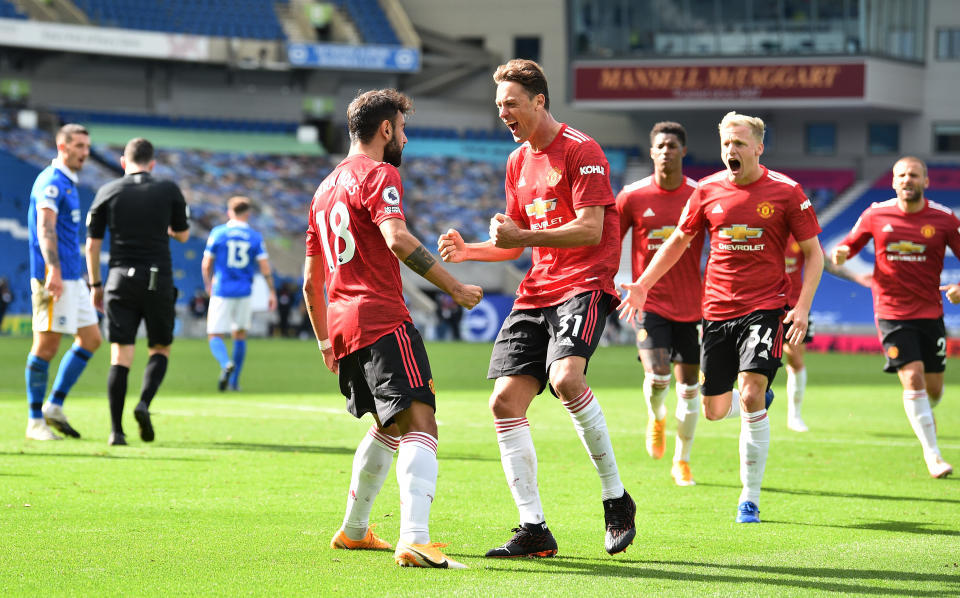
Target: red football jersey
point(364, 291)
point(794, 258)
point(544, 190)
point(653, 213)
point(749, 226)
point(909, 256)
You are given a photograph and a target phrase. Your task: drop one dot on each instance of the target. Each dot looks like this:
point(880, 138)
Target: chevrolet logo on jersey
point(662, 233)
point(539, 207)
point(905, 247)
point(737, 234)
point(740, 232)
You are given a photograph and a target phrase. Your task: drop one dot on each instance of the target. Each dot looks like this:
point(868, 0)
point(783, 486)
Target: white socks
point(734, 410)
point(754, 446)
point(687, 413)
point(417, 477)
point(917, 406)
point(371, 463)
point(654, 391)
point(796, 385)
point(592, 428)
point(519, 461)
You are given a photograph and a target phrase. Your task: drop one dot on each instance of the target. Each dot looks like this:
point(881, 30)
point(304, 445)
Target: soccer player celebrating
point(749, 212)
point(356, 233)
point(61, 299)
point(668, 326)
point(910, 234)
point(794, 353)
point(233, 251)
point(560, 203)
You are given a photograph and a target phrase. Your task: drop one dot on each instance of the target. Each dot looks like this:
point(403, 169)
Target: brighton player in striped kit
point(559, 202)
point(356, 233)
point(61, 299)
point(750, 212)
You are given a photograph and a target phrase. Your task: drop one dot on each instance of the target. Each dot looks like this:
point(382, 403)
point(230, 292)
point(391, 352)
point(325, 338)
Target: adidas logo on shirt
point(648, 213)
point(521, 182)
point(887, 228)
point(717, 210)
point(565, 342)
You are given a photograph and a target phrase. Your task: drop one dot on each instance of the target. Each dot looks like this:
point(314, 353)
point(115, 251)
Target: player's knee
point(501, 406)
point(568, 387)
point(91, 344)
point(657, 380)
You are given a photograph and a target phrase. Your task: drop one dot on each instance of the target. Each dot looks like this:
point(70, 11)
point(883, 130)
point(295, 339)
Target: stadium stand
point(840, 301)
point(8, 10)
point(250, 19)
point(196, 123)
point(371, 21)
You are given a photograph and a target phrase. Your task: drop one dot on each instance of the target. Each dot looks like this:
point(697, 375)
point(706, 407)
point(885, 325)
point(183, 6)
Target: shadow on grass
point(900, 527)
point(265, 447)
point(833, 494)
point(806, 578)
point(119, 456)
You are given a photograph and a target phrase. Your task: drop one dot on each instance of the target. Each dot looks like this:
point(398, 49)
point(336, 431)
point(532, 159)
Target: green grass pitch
point(241, 492)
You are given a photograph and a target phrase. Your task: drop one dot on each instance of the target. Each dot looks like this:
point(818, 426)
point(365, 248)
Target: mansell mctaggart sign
point(693, 82)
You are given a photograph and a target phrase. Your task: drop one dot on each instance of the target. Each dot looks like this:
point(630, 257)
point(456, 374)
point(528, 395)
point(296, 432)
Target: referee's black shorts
point(128, 300)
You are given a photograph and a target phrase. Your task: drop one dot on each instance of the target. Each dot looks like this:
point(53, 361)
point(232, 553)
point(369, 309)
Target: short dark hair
point(371, 108)
point(138, 151)
point(67, 131)
point(915, 160)
point(668, 127)
point(528, 74)
point(239, 204)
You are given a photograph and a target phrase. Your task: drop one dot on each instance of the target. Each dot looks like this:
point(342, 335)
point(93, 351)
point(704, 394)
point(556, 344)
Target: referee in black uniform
point(141, 213)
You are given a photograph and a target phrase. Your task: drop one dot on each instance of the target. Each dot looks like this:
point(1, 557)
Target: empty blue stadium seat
point(251, 19)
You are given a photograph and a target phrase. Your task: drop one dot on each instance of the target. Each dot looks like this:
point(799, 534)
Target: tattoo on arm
point(420, 260)
point(48, 245)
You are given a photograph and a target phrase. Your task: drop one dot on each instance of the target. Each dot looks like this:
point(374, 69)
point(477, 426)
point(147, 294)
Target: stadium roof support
point(446, 61)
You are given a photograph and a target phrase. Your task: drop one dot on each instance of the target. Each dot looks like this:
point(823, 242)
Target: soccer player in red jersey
point(794, 353)
point(910, 234)
point(356, 233)
point(559, 202)
point(667, 329)
point(749, 212)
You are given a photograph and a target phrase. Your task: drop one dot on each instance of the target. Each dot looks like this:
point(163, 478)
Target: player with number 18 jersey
point(363, 273)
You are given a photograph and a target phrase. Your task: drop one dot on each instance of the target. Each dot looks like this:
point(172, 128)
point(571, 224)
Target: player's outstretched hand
point(467, 295)
point(451, 246)
point(632, 303)
point(798, 321)
point(328, 360)
point(839, 255)
point(953, 292)
point(504, 232)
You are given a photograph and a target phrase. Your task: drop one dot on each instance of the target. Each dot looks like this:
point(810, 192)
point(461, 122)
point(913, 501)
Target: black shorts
point(750, 343)
point(385, 377)
point(914, 340)
point(128, 300)
point(682, 339)
point(532, 339)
